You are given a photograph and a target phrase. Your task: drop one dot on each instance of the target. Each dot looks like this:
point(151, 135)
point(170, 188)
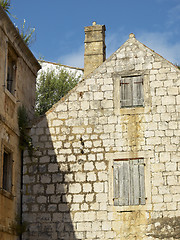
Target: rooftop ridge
point(59, 64)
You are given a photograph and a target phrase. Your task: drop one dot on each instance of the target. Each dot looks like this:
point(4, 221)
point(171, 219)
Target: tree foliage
point(25, 140)
point(5, 4)
point(27, 33)
point(52, 86)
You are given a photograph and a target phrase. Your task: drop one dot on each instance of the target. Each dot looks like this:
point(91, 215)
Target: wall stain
point(165, 228)
point(133, 132)
point(130, 224)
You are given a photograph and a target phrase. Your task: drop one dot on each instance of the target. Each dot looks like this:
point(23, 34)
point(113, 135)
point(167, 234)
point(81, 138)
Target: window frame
point(7, 170)
point(131, 95)
point(131, 172)
point(11, 70)
point(147, 156)
point(6, 191)
point(118, 110)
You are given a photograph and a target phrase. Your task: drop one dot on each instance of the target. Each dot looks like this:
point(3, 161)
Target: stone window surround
point(132, 110)
point(13, 53)
point(130, 155)
point(131, 92)
point(134, 172)
point(9, 148)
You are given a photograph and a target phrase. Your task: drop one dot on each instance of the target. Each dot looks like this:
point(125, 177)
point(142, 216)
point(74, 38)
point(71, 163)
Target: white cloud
point(114, 41)
point(162, 44)
point(174, 15)
point(74, 59)
point(159, 42)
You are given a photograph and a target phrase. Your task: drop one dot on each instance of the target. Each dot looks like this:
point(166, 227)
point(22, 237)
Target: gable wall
point(68, 186)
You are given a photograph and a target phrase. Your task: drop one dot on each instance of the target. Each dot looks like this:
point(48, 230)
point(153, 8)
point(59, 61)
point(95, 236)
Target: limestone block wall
point(68, 183)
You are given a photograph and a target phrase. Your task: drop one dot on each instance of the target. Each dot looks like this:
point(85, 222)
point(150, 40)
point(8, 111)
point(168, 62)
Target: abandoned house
point(18, 69)
point(106, 159)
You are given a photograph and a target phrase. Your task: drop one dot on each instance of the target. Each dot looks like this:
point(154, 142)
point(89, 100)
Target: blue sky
point(60, 26)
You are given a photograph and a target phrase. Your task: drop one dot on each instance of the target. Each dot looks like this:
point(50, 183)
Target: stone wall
point(68, 183)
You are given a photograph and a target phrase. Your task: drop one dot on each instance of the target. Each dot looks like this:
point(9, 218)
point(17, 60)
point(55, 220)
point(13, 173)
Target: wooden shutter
point(137, 187)
point(137, 91)
point(117, 180)
point(131, 91)
point(142, 182)
point(126, 92)
point(121, 183)
point(129, 187)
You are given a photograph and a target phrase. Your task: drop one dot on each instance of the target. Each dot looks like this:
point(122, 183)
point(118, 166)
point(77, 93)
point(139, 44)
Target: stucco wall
point(68, 184)
point(9, 202)
point(23, 93)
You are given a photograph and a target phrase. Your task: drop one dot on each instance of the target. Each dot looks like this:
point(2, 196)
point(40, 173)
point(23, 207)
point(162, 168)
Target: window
point(7, 171)
point(131, 89)
point(11, 71)
point(129, 182)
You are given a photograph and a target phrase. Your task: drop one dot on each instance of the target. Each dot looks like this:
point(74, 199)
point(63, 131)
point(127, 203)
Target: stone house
point(18, 68)
point(107, 159)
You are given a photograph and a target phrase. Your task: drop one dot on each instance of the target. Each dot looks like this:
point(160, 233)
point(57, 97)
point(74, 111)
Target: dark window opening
point(7, 171)
point(11, 71)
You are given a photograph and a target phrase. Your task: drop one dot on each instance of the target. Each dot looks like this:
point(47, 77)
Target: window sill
point(13, 99)
point(132, 110)
point(6, 194)
point(131, 208)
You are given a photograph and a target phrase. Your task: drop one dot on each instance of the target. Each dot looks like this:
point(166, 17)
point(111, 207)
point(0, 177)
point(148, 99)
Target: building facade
point(18, 68)
point(107, 159)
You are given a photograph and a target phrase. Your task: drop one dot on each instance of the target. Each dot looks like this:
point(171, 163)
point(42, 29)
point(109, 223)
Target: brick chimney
point(95, 48)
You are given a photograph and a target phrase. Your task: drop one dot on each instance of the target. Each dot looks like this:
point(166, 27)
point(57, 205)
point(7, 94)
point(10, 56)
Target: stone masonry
point(94, 47)
point(68, 183)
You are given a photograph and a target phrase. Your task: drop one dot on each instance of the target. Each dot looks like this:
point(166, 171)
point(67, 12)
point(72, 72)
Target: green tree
point(52, 86)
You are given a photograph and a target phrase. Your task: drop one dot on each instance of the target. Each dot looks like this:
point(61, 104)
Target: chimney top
point(95, 48)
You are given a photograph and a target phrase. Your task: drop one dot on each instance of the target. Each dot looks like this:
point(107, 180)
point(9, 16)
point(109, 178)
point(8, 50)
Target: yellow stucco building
point(18, 69)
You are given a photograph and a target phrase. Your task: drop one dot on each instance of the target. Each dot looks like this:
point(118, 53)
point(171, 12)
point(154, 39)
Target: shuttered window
point(131, 91)
point(11, 70)
point(129, 183)
point(7, 171)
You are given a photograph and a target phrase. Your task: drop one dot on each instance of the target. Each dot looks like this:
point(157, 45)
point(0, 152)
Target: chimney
point(95, 48)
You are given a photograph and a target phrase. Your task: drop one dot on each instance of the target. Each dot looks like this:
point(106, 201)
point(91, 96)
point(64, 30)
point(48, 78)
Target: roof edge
point(17, 40)
point(59, 64)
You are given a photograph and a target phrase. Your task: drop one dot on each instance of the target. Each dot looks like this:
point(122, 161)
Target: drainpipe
point(21, 191)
